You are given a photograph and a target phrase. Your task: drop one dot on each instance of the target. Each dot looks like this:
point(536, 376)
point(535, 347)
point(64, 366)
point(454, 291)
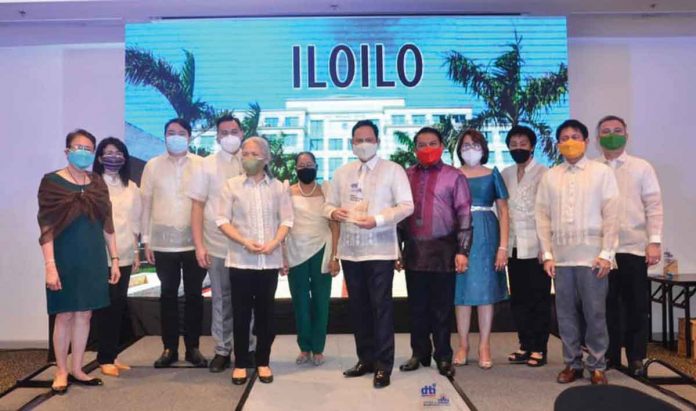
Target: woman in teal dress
point(484, 282)
point(76, 228)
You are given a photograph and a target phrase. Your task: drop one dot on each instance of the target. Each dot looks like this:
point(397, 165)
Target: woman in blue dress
point(484, 282)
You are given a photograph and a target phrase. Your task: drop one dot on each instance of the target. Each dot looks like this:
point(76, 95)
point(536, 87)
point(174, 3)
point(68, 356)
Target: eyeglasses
point(474, 146)
point(76, 147)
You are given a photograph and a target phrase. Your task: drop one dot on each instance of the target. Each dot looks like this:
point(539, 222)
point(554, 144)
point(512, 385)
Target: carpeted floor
point(15, 364)
point(519, 387)
point(683, 364)
point(503, 387)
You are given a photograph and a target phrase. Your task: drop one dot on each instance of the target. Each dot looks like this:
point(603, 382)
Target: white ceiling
point(84, 21)
point(128, 10)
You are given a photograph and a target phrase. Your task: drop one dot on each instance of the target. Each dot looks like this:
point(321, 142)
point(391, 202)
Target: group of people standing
point(593, 226)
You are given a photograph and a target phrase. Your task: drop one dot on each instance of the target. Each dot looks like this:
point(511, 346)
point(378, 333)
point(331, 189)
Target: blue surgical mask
point(177, 144)
point(80, 158)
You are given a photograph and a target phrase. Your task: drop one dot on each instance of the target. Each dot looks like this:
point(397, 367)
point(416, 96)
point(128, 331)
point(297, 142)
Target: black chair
point(608, 398)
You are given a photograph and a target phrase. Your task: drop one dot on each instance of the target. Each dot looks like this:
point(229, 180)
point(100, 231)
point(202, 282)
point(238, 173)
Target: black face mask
point(307, 175)
point(520, 155)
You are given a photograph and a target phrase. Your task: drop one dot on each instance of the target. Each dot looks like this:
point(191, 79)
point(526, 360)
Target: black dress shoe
point(381, 379)
point(219, 363)
point(445, 368)
point(636, 368)
point(195, 357)
point(92, 382)
point(167, 358)
point(413, 363)
point(359, 370)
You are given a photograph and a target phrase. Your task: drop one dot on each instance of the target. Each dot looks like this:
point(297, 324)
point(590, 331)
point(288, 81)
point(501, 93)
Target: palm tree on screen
point(510, 97)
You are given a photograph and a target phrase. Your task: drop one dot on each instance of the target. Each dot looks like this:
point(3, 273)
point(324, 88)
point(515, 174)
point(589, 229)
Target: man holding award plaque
point(370, 197)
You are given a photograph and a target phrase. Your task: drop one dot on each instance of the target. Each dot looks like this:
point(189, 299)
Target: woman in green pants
point(311, 259)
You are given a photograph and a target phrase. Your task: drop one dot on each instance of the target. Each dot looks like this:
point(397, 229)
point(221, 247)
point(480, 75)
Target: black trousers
point(169, 271)
point(530, 301)
point(253, 290)
point(109, 319)
point(628, 308)
point(430, 306)
point(371, 310)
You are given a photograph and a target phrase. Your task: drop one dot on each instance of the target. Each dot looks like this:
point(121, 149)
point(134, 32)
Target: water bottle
point(668, 259)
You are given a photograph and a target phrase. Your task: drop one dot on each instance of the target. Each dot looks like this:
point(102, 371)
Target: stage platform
point(306, 387)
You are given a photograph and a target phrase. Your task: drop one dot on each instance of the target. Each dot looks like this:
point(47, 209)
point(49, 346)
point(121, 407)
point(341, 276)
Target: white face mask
point(365, 151)
point(230, 144)
point(472, 157)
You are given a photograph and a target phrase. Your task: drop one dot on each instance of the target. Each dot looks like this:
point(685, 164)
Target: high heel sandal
point(458, 362)
point(110, 370)
point(302, 358)
point(485, 365)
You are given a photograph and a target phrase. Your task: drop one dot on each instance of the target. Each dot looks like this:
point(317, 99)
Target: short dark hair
point(79, 132)
point(363, 123)
point(98, 167)
point(477, 138)
point(228, 117)
point(574, 124)
point(430, 130)
point(611, 117)
point(305, 153)
point(519, 130)
point(180, 121)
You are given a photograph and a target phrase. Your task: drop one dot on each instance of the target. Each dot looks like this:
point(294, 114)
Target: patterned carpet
point(685, 365)
point(16, 364)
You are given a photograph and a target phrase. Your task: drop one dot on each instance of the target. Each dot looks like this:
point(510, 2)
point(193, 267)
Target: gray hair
point(265, 147)
point(262, 143)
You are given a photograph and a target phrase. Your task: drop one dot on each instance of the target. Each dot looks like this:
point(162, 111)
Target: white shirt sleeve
point(136, 210)
point(286, 210)
point(333, 197)
point(224, 206)
point(652, 202)
point(610, 216)
point(146, 190)
point(198, 186)
point(543, 217)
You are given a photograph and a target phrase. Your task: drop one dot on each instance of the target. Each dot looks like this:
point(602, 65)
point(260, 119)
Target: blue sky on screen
point(245, 60)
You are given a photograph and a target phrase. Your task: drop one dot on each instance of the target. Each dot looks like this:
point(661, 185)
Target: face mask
point(230, 144)
point(365, 151)
point(612, 141)
point(113, 163)
point(80, 158)
point(307, 175)
point(252, 165)
point(177, 144)
point(520, 155)
point(429, 156)
point(472, 157)
point(572, 149)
